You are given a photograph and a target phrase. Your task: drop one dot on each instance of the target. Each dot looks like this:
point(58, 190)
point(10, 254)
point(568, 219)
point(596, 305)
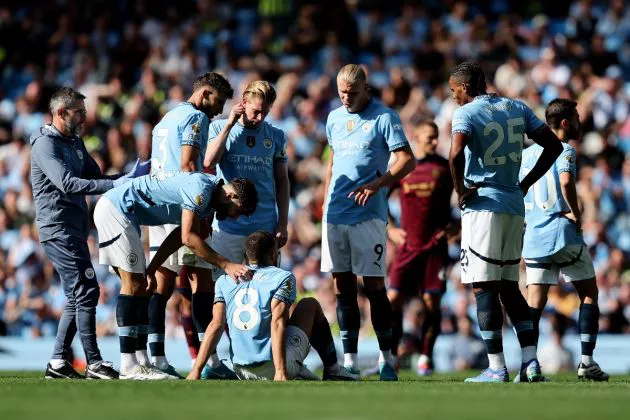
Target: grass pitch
point(28, 396)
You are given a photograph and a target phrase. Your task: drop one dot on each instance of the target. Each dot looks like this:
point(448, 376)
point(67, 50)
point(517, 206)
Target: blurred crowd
point(135, 60)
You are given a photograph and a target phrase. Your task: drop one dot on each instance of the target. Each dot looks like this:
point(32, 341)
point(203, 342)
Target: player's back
point(547, 230)
point(159, 198)
point(248, 311)
point(183, 125)
point(496, 127)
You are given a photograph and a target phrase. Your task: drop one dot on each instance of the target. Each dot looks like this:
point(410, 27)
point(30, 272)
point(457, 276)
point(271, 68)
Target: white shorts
point(119, 242)
point(573, 262)
point(157, 235)
point(225, 244)
point(491, 246)
point(297, 348)
point(359, 248)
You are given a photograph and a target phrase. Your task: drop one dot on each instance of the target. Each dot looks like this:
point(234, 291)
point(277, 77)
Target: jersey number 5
point(488, 158)
point(246, 315)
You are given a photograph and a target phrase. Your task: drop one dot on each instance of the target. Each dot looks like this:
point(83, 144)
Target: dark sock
point(397, 330)
point(157, 319)
point(589, 327)
point(431, 328)
point(143, 322)
point(322, 342)
point(381, 314)
point(192, 339)
point(349, 321)
point(202, 310)
point(490, 317)
point(536, 315)
point(519, 313)
point(127, 321)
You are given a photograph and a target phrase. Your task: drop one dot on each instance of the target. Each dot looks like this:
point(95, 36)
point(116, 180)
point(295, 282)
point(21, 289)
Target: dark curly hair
point(216, 81)
point(472, 74)
point(247, 195)
point(259, 246)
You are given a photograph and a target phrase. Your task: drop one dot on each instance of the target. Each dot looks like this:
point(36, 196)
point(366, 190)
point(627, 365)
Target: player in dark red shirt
point(422, 249)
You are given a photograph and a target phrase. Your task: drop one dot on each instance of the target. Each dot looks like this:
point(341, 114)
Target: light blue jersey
point(248, 311)
point(496, 127)
point(182, 126)
point(362, 143)
point(158, 199)
point(547, 230)
point(252, 153)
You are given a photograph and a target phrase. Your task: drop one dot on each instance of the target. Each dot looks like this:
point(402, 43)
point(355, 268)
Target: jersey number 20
point(248, 310)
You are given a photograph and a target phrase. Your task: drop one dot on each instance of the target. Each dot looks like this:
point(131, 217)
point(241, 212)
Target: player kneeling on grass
point(169, 197)
point(265, 342)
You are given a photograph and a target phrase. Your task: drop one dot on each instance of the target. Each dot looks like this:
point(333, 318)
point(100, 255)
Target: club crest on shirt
point(366, 127)
point(350, 125)
point(267, 143)
point(199, 200)
point(80, 154)
point(250, 141)
point(89, 273)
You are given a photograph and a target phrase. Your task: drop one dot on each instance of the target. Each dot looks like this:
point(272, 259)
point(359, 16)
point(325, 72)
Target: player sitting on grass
point(265, 342)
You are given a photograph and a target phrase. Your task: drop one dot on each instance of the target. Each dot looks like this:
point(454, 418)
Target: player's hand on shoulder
point(238, 272)
point(236, 112)
point(362, 194)
point(397, 235)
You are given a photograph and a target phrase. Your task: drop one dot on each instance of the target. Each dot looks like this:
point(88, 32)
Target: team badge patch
point(350, 125)
point(267, 143)
point(199, 200)
point(89, 273)
point(132, 259)
point(250, 141)
point(366, 127)
point(80, 154)
point(569, 158)
point(196, 128)
point(296, 341)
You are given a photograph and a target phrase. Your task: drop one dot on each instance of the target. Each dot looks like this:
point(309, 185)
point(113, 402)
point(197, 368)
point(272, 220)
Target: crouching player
point(265, 342)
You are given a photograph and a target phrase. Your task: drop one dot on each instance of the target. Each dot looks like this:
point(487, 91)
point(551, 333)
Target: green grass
point(26, 396)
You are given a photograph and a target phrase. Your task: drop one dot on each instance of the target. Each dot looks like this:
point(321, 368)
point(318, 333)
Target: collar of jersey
point(484, 96)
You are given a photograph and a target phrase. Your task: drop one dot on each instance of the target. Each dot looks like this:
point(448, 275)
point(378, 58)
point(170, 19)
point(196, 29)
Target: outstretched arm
point(551, 150)
point(279, 318)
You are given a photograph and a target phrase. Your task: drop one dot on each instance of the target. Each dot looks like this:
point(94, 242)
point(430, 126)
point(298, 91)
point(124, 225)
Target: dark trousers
point(71, 260)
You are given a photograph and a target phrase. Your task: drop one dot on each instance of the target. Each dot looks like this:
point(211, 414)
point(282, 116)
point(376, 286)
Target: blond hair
point(352, 73)
point(262, 90)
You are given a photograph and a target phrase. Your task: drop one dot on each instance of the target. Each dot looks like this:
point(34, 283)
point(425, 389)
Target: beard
point(221, 212)
point(73, 128)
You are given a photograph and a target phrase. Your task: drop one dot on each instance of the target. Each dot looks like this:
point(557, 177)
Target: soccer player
point(267, 343)
point(553, 242)
point(485, 157)
point(245, 145)
point(62, 174)
point(179, 144)
point(422, 247)
point(166, 197)
point(362, 134)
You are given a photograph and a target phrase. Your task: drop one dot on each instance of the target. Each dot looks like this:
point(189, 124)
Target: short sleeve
point(532, 122)
point(329, 132)
point(462, 123)
point(213, 130)
point(566, 161)
point(194, 130)
point(195, 197)
point(280, 153)
point(391, 128)
point(286, 290)
point(218, 290)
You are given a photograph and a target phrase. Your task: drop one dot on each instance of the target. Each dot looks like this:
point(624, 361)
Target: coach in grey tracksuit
point(62, 174)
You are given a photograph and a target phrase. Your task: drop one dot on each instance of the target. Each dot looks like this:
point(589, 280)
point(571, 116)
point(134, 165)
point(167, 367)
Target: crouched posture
point(266, 343)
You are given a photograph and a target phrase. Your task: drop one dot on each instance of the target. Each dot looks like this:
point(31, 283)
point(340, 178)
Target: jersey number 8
point(253, 317)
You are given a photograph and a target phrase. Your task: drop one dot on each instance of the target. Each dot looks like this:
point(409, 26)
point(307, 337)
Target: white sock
point(423, 359)
point(193, 361)
point(214, 361)
point(143, 357)
point(496, 361)
point(587, 360)
point(160, 361)
point(57, 363)
point(127, 362)
point(351, 360)
point(528, 353)
point(385, 356)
